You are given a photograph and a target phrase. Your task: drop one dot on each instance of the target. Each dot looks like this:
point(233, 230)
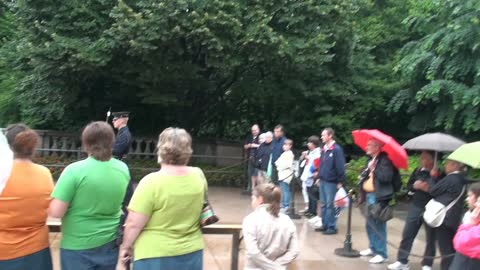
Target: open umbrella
point(6, 161)
point(468, 154)
point(395, 151)
point(438, 142)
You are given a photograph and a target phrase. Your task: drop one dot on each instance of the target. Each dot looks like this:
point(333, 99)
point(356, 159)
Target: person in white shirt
point(310, 163)
point(270, 236)
point(284, 166)
point(6, 161)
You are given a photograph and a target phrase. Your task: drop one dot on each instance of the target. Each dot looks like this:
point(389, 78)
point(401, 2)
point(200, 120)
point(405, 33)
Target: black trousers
point(312, 201)
point(445, 236)
point(412, 225)
point(462, 262)
point(274, 176)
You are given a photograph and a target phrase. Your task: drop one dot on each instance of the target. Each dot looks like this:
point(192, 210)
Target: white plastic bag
point(6, 161)
point(341, 198)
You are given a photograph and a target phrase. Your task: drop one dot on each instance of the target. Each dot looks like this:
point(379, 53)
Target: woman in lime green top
point(162, 230)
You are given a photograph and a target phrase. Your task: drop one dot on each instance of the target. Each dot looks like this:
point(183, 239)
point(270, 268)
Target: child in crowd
point(467, 239)
point(270, 236)
point(473, 195)
point(285, 172)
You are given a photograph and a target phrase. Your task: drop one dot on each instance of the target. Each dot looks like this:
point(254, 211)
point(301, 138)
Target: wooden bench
point(55, 226)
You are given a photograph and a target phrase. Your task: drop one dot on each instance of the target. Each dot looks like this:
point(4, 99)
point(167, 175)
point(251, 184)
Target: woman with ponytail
point(23, 206)
point(270, 236)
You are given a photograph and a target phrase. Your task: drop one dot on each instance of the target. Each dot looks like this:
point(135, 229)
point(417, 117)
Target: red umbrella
point(394, 150)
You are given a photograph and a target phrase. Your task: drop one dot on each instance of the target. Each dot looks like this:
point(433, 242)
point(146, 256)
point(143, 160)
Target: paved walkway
point(316, 249)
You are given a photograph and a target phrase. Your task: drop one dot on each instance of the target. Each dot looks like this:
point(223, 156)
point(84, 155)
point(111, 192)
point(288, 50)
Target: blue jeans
point(285, 194)
point(327, 198)
point(191, 261)
point(100, 258)
point(376, 230)
point(40, 260)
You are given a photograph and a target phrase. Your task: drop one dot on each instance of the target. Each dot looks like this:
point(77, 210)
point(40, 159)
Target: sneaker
point(366, 252)
point(426, 267)
point(398, 266)
point(283, 210)
point(318, 224)
point(310, 215)
point(330, 232)
point(378, 259)
point(314, 220)
point(321, 229)
point(304, 211)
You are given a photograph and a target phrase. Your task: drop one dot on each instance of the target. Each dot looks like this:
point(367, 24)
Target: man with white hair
point(378, 189)
point(263, 159)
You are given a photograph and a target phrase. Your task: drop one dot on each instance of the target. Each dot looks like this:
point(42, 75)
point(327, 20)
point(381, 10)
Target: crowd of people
point(107, 225)
point(323, 175)
point(162, 227)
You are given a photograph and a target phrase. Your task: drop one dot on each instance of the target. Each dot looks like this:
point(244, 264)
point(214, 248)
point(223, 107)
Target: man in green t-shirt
point(88, 197)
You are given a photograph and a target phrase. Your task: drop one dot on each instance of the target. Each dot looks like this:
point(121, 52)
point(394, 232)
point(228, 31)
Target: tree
point(442, 68)
point(210, 66)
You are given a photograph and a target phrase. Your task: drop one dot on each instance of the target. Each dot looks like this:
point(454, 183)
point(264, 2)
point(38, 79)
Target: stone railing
point(205, 151)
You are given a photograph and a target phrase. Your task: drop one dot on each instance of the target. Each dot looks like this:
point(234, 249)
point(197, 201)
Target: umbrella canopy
point(468, 154)
point(395, 151)
point(439, 142)
point(6, 161)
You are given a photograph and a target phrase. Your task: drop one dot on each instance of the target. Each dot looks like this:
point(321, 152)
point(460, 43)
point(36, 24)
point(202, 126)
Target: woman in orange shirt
point(23, 206)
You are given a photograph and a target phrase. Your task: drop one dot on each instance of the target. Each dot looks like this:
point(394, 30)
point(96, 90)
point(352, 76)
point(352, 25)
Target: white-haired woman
point(263, 158)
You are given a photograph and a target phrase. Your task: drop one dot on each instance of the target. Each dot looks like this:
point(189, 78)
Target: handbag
point(381, 212)
point(207, 216)
point(436, 211)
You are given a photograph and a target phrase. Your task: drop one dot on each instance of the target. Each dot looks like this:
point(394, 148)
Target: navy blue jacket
point(277, 148)
point(332, 165)
point(262, 156)
point(122, 143)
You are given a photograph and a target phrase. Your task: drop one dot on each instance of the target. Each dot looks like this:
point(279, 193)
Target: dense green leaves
point(216, 66)
point(442, 70)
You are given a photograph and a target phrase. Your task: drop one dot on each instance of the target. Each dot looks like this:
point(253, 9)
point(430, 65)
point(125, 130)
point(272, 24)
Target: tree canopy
point(215, 67)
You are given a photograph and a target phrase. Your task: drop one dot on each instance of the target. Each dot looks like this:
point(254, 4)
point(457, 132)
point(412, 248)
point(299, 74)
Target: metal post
point(291, 209)
point(347, 250)
point(235, 250)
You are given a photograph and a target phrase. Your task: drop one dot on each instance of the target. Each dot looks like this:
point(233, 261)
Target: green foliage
point(442, 69)
point(355, 167)
point(216, 176)
point(214, 67)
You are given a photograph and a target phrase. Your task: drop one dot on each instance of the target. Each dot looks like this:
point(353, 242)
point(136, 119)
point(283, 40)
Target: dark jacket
point(462, 262)
point(382, 178)
point(277, 148)
point(122, 143)
point(262, 156)
point(445, 191)
point(250, 153)
point(332, 165)
point(420, 198)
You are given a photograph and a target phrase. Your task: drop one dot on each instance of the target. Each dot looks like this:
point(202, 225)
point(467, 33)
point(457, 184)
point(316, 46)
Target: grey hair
point(268, 134)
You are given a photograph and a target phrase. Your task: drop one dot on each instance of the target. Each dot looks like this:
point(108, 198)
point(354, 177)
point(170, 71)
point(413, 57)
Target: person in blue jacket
point(331, 176)
point(277, 149)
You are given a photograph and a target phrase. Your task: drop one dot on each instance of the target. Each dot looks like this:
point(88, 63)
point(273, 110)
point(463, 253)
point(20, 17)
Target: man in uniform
point(120, 151)
point(124, 137)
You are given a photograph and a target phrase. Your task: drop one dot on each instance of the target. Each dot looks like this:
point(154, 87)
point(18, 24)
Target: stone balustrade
point(205, 151)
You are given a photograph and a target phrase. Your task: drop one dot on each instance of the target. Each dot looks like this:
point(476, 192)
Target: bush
point(355, 166)
point(216, 176)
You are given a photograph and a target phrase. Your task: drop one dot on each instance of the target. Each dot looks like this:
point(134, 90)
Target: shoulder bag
point(436, 211)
